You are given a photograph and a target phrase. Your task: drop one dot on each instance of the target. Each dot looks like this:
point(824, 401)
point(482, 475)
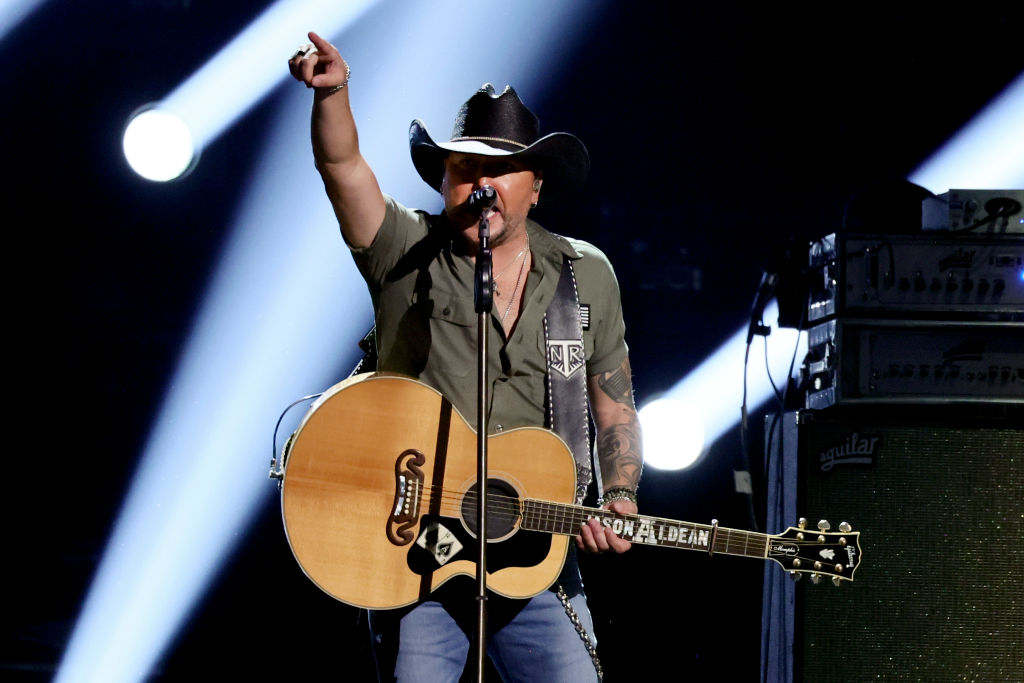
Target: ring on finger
point(304, 51)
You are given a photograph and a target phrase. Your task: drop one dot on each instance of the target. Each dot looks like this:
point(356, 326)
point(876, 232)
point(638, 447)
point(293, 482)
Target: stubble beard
point(511, 227)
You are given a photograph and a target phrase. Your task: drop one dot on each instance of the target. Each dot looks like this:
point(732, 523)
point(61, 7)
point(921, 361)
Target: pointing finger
point(321, 44)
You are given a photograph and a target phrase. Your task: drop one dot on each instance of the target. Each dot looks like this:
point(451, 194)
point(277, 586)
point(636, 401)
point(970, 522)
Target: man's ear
point(537, 182)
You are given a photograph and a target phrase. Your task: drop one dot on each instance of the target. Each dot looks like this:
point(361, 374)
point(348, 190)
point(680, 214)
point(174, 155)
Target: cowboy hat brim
point(561, 158)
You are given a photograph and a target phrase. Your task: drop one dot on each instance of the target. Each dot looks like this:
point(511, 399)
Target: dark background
point(717, 133)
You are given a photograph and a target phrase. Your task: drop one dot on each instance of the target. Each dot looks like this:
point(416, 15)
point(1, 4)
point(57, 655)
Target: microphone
point(482, 199)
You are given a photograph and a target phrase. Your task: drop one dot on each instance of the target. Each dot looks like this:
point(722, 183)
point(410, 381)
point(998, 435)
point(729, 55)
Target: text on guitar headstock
point(818, 553)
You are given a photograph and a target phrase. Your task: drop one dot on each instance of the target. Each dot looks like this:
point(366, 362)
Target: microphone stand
point(483, 301)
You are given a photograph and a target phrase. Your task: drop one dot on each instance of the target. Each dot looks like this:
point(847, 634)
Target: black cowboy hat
point(501, 125)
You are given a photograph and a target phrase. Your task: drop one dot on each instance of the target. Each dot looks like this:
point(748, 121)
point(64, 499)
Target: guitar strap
point(368, 345)
point(568, 407)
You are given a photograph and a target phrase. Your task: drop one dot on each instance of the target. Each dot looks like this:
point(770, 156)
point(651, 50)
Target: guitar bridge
point(405, 513)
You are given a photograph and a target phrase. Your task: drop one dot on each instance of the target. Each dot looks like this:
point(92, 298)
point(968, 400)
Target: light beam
point(712, 394)
point(13, 12)
point(986, 154)
point(283, 313)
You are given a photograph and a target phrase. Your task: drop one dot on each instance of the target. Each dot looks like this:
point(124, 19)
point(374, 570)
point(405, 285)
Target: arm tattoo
point(617, 384)
point(619, 450)
point(619, 441)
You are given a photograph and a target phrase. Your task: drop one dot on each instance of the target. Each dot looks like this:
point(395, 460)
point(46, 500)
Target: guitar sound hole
point(502, 509)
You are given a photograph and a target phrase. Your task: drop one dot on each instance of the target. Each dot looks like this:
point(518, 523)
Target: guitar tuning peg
point(836, 581)
point(802, 523)
point(815, 579)
point(845, 527)
point(823, 525)
point(796, 576)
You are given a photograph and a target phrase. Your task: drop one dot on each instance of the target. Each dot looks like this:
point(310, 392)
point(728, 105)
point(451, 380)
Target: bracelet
point(336, 88)
point(618, 493)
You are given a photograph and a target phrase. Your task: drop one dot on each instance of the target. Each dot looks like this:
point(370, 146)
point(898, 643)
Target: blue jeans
point(527, 640)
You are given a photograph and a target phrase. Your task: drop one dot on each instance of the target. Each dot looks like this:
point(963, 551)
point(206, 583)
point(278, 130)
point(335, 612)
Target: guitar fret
point(731, 543)
point(560, 518)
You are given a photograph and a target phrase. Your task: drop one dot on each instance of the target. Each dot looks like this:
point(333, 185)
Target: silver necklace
point(511, 263)
point(519, 279)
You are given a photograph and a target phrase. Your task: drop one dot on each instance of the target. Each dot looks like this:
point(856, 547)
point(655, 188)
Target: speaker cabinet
point(939, 502)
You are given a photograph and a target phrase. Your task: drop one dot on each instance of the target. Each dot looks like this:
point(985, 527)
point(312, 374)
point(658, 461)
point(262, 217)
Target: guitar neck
point(558, 518)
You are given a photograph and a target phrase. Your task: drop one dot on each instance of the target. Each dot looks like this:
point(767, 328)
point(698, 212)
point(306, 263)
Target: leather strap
point(568, 407)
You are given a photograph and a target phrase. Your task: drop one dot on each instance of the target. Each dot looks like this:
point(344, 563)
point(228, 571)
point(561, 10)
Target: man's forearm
point(333, 128)
point(620, 452)
point(619, 439)
point(348, 180)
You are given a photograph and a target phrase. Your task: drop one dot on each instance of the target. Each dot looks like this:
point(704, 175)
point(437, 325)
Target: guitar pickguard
point(445, 539)
point(439, 541)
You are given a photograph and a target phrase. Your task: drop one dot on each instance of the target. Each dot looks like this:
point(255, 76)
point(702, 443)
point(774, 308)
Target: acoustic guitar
point(379, 502)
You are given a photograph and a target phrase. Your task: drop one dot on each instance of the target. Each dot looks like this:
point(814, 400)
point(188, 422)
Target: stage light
point(673, 434)
point(158, 145)
point(225, 88)
point(712, 395)
point(13, 12)
point(282, 316)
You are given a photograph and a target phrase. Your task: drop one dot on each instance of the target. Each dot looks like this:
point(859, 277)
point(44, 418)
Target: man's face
point(517, 186)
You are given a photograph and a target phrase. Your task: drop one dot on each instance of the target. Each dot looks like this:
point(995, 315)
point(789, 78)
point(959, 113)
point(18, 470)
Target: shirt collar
point(548, 244)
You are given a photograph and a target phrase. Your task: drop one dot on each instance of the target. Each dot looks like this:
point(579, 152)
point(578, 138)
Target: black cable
point(277, 427)
point(996, 208)
point(744, 446)
point(780, 397)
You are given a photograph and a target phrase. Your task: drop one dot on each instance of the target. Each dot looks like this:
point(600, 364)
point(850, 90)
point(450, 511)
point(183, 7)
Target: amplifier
point(909, 361)
point(937, 497)
point(917, 276)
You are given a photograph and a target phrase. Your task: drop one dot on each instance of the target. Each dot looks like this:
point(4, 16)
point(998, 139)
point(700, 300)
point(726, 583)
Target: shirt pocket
point(453, 346)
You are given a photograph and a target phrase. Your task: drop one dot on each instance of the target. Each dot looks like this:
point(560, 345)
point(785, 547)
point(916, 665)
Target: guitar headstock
point(818, 553)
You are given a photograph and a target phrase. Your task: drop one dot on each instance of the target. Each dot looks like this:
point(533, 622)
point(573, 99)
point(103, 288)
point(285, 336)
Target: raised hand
point(319, 64)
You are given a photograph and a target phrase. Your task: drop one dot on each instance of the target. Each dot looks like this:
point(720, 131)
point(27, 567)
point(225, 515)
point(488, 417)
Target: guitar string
point(510, 505)
point(508, 508)
point(543, 509)
point(723, 540)
point(735, 543)
point(747, 543)
point(754, 544)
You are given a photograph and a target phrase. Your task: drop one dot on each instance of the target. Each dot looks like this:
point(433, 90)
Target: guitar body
point(378, 496)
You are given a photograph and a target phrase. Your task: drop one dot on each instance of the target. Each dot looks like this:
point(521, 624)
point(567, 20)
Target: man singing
point(420, 272)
